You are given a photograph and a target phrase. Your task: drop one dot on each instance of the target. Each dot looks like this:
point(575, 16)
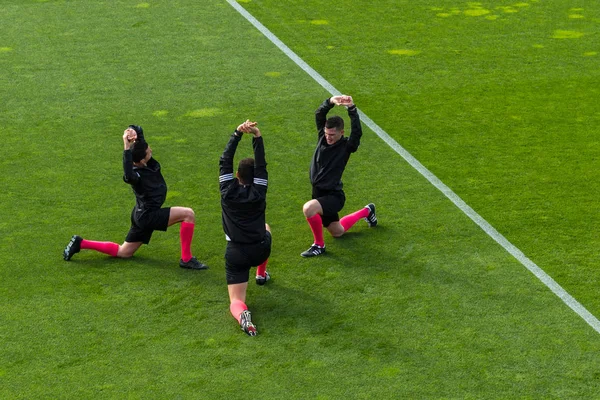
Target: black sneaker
point(261, 280)
point(246, 323)
point(193, 263)
point(314, 250)
point(73, 247)
point(372, 217)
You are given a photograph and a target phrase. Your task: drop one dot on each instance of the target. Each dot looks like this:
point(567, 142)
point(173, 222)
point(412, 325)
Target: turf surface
point(498, 100)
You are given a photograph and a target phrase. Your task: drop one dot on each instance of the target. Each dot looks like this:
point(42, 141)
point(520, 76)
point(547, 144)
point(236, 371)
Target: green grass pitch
point(497, 98)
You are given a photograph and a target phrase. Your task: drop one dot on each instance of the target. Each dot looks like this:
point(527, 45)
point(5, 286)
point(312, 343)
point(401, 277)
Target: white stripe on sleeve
point(225, 178)
point(260, 181)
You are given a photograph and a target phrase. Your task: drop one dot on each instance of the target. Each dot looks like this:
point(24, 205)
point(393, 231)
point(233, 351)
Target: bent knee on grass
point(125, 254)
point(336, 229)
point(127, 249)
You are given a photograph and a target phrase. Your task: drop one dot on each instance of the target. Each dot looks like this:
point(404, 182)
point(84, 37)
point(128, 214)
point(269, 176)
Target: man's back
point(243, 204)
point(243, 212)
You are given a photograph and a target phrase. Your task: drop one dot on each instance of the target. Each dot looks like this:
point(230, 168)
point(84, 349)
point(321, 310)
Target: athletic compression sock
point(236, 308)
point(349, 220)
point(186, 233)
point(262, 268)
point(316, 225)
point(109, 248)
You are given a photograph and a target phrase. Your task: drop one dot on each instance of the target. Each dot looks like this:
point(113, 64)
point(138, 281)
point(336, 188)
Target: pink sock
point(316, 225)
point(236, 307)
point(186, 233)
point(109, 248)
point(262, 268)
point(349, 220)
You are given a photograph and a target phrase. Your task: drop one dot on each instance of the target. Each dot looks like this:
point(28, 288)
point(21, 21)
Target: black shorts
point(144, 224)
point(331, 203)
point(240, 257)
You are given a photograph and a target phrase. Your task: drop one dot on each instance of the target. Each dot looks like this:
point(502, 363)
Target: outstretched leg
point(239, 309)
point(338, 228)
point(77, 243)
point(365, 213)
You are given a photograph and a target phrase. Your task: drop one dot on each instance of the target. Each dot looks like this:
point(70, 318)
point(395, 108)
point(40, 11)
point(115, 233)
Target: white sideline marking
point(464, 207)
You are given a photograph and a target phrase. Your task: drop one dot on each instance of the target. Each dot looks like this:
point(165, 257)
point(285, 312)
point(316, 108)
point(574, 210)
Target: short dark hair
point(138, 150)
point(138, 129)
point(246, 171)
point(336, 122)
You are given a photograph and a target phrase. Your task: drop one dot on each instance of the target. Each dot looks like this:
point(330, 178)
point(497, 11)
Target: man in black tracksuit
point(143, 173)
point(329, 161)
point(243, 203)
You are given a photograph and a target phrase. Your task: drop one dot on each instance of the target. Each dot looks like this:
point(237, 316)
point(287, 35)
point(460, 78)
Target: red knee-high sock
point(262, 268)
point(109, 248)
point(186, 233)
point(349, 220)
point(236, 307)
point(316, 225)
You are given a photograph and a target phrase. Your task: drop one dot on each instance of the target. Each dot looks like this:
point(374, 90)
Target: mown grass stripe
point(546, 279)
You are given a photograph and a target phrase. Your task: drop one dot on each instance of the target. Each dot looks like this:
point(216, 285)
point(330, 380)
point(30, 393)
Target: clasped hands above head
point(342, 100)
point(249, 127)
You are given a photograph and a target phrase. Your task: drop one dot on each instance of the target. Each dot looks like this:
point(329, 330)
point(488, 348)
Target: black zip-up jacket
point(243, 206)
point(147, 182)
point(329, 161)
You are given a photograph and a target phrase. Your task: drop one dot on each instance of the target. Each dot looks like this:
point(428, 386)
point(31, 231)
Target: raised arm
point(355, 126)
point(129, 175)
point(321, 114)
point(260, 163)
point(226, 161)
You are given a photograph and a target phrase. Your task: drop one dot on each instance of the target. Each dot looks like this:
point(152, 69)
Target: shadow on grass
point(93, 261)
point(382, 251)
point(146, 268)
point(292, 309)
